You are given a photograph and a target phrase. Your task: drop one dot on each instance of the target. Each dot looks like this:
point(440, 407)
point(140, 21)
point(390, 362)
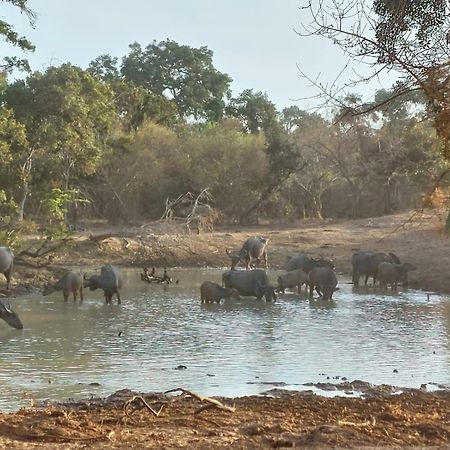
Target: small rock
point(180, 367)
point(395, 371)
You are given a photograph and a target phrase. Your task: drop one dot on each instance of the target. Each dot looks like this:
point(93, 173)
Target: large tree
point(254, 109)
point(68, 116)
point(182, 73)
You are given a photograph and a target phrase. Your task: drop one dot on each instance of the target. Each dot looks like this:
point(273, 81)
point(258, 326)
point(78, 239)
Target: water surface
point(236, 348)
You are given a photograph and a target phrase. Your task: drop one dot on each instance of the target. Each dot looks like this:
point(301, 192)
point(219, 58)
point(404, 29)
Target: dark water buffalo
point(252, 250)
point(213, 292)
point(365, 263)
point(9, 316)
point(6, 263)
point(254, 283)
point(324, 280)
point(392, 273)
point(294, 278)
point(305, 263)
point(71, 282)
point(110, 281)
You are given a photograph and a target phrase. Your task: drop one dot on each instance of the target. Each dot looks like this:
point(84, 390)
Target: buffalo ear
point(228, 253)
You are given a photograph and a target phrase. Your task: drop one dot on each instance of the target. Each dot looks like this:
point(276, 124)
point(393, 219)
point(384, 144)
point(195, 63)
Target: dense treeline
point(116, 140)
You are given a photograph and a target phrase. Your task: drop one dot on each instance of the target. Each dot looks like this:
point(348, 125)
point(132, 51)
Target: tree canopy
point(182, 73)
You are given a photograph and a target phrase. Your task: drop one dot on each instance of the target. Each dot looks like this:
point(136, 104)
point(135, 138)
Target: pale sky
point(252, 40)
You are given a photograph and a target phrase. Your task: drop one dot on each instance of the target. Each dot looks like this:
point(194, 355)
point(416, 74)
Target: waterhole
point(161, 337)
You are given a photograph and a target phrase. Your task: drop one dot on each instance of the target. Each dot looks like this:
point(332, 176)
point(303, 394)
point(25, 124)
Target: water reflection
point(360, 335)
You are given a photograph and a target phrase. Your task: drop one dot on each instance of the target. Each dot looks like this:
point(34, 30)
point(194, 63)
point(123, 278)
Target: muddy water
point(161, 337)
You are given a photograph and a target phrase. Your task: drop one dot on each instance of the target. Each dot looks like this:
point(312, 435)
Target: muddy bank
point(291, 419)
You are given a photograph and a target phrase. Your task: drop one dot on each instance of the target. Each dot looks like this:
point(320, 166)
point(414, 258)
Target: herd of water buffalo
point(316, 274)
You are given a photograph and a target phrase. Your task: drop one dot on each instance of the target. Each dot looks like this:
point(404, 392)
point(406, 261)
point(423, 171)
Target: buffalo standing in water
point(6, 263)
point(70, 282)
point(249, 283)
point(391, 273)
point(110, 281)
point(324, 280)
point(305, 263)
point(365, 263)
point(213, 292)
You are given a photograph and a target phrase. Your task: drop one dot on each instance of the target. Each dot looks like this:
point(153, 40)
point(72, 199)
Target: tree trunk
point(316, 207)
point(356, 194)
point(22, 201)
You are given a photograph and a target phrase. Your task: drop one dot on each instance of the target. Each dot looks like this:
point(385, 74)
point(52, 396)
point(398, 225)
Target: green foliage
point(13, 38)
point(57, 203)
point(7, 208)
point(105, 68)
point(182, 73)
point(136, 105)
point(255, 111)
point(68, 116)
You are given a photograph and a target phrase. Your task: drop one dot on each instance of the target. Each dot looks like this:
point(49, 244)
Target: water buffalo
point(6, 263)
point(392, 273)
point(324, 280)
point(252, 250)
point(9, 316)
point(294, 278)
point(365, 263)
point(213, 292)
point(305, 263)
point(70, 282)
point(110, 280)
point(253, 283)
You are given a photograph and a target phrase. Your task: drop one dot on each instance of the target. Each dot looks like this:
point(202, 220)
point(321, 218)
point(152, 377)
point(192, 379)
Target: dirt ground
point(413, 419)
point(416, 418)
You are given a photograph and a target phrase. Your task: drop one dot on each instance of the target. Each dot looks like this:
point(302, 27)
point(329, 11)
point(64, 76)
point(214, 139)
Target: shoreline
point(189, 420)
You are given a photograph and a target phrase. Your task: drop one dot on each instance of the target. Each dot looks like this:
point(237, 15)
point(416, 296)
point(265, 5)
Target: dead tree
point(192, 211)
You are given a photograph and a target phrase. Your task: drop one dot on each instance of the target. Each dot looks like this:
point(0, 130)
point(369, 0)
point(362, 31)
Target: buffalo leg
point(366, 279)
point(118, 298)
point(65, 295)
point(81, 295)
point(8, 278)
point(74, 293)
